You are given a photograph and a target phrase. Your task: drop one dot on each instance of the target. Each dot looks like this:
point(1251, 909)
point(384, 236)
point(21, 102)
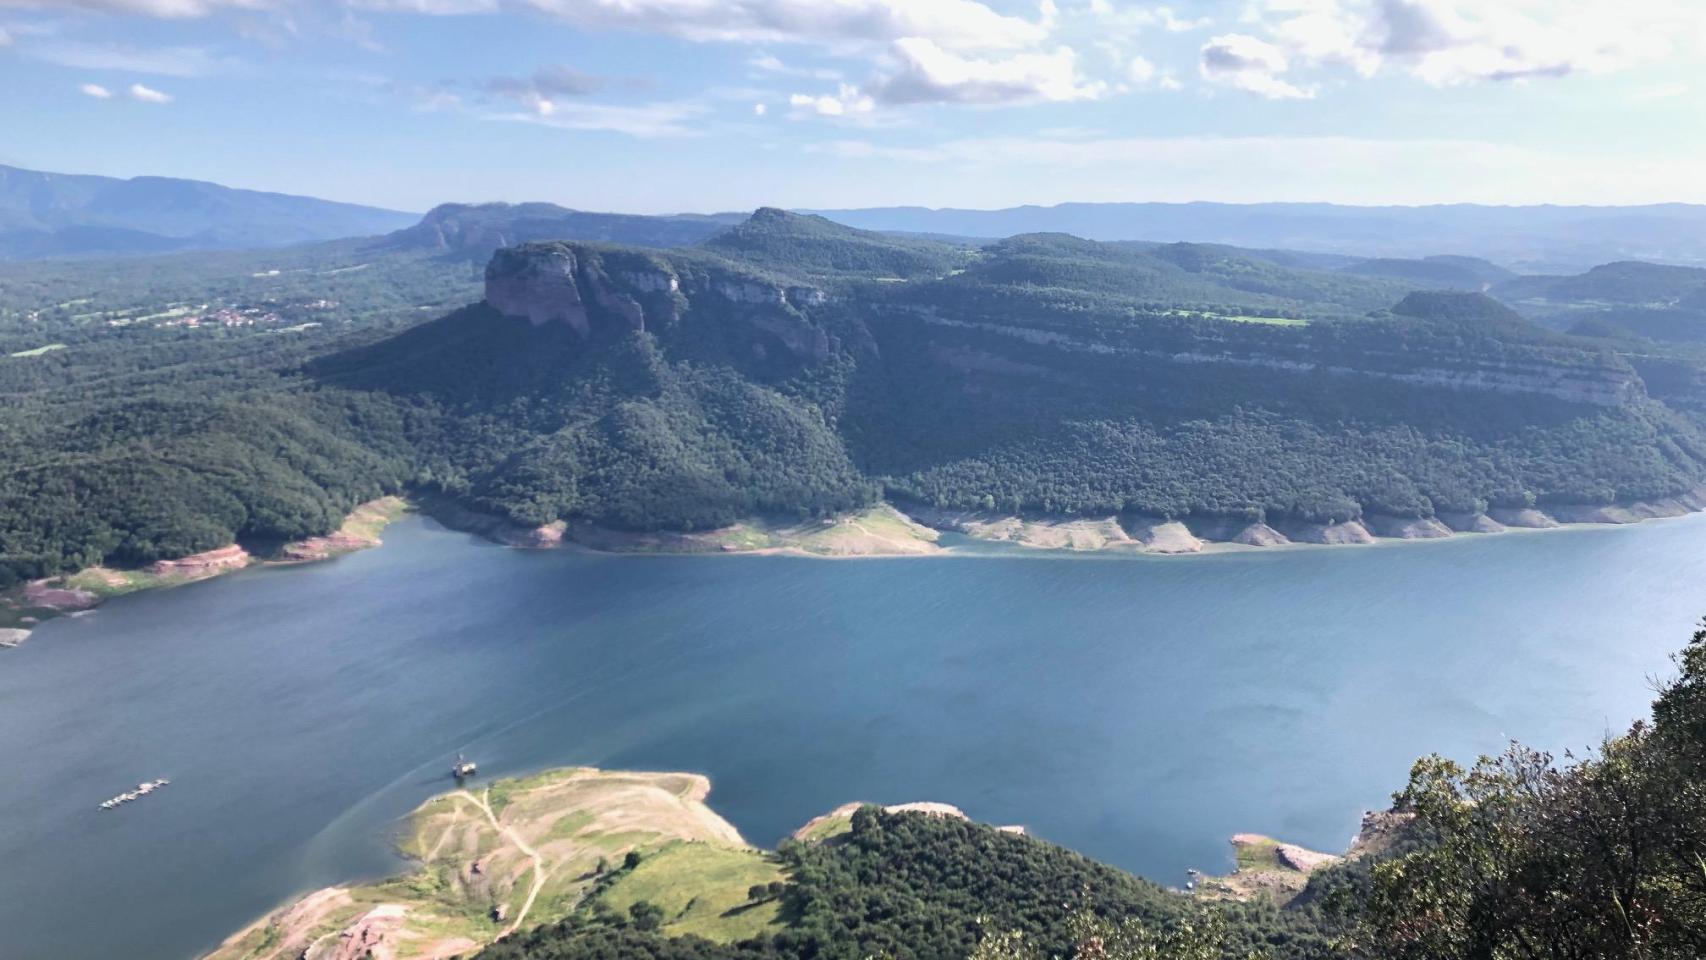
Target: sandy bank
point(889, 530)
point(879, 531)
point(1189, 535)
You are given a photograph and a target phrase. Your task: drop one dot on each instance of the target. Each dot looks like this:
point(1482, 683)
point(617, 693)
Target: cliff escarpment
point(593, 288)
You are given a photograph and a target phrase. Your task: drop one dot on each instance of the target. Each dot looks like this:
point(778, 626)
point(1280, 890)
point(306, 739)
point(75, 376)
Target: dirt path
point(520, 844)
point(455, 820)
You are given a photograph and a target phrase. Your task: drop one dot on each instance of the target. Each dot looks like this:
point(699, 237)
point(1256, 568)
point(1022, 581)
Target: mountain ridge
point(1539, 238)
point(48, 215)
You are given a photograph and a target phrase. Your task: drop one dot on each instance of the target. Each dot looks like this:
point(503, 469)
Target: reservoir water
point(1140, 710)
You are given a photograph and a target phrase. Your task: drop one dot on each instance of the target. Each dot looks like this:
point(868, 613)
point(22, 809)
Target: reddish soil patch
point(204, 564)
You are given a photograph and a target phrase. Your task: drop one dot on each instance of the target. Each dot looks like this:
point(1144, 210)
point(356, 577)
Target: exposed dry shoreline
point(1266, 868)
point(23, 608)
point(884, 530)
point(888, 530)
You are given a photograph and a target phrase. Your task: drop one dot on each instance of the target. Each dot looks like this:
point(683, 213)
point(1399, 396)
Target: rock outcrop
point(205, 564)
point(553, 283)
point(1165, 536)
point(1260, 535)
point(43, 593)
point(1338, 534)
point(591, 289)
point(1523, 517)
point(1406, 528)
point(1471, 523)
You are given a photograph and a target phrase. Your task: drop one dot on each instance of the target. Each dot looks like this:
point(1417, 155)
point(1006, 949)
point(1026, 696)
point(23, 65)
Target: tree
point(1526, 860)
point(646, 916)
point(1094, 937)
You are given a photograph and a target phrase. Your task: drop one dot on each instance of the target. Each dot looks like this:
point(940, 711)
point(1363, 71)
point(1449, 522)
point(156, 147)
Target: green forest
point(791, 367)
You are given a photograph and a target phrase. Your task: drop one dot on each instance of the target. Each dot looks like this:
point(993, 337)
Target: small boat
point(463, 767)
point(142, 790)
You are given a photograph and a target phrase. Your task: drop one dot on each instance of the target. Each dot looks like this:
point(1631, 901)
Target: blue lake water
point(1138, 709)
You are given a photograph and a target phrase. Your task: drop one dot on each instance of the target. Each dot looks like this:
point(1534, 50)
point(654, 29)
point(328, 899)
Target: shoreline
point(882, 531)
point(489, 859)
point(73, 594)
point(915, 531)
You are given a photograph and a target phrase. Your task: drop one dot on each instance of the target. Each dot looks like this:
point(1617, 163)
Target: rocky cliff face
point(590, 288)
point(561, 283)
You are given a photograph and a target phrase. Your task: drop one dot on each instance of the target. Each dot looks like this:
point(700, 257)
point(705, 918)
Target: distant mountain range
point(45, 215)
point(48, 215)
point(1543, 239)
point(475, 230)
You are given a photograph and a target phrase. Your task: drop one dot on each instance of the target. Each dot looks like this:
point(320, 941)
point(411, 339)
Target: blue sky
point(667, 105)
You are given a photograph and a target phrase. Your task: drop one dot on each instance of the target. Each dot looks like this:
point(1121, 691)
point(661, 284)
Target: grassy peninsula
point(523, 853)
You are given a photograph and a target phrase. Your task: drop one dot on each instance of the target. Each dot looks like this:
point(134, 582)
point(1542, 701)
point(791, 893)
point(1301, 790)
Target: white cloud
point(923, 72)
point(148, 94)
point(646, 121)
point(1451, 42)
point(759, 109)
point(160, 61)
point(955, 24)
point(1141, 73)
point(847, 100)
point(5, 38)
point(96, 90)
point(1250, 64)
point(1173, 23)
point(164, 9)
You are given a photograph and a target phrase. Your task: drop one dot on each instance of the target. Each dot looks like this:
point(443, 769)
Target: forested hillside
point(792, 367)
point(913, 886)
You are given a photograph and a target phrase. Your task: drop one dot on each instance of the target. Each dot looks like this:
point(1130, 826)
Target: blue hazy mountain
point(46, 215)
point(1537, 239)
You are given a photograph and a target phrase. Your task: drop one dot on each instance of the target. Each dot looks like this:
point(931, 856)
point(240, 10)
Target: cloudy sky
point(665, 105)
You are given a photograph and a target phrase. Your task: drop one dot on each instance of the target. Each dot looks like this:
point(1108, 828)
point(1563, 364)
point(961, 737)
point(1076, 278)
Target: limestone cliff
point(597, 288)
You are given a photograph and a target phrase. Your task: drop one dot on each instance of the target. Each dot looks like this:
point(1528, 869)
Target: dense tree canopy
point(162, 406)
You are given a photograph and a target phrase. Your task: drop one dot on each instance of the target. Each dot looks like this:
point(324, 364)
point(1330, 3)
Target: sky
point(656, 106)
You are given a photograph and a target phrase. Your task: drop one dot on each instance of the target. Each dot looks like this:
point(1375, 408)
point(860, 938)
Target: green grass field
point(702, 890)
point(1259, 855)
point(826, 829)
